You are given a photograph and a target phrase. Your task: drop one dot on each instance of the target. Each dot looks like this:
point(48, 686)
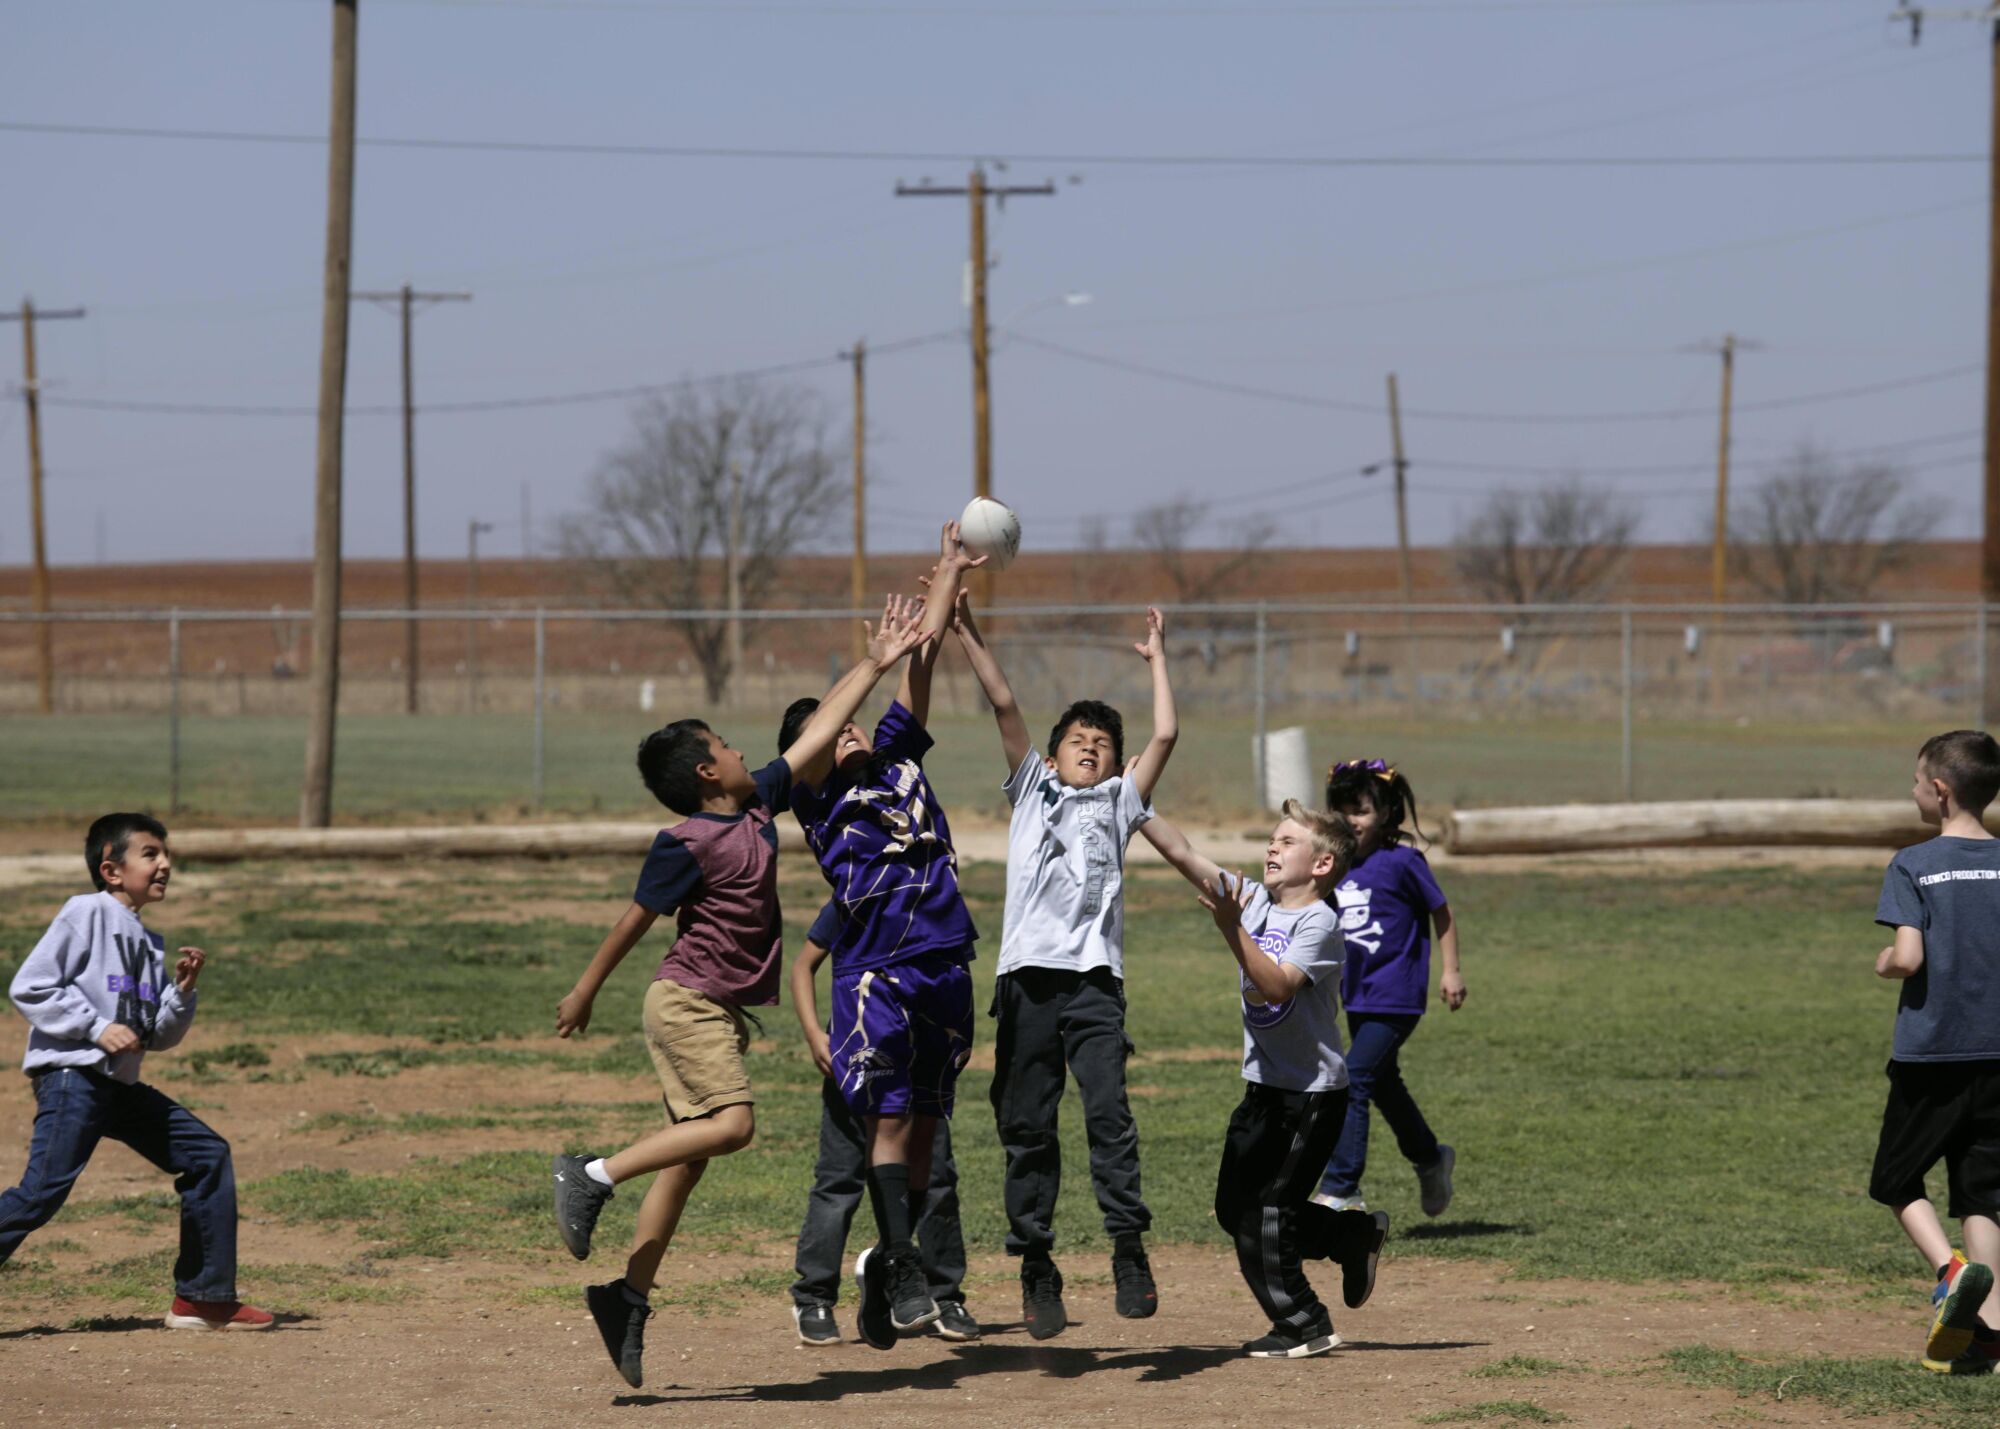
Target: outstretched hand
point(1154, 646)
point(900, 632)
point(951, 550)
point(1225, 900)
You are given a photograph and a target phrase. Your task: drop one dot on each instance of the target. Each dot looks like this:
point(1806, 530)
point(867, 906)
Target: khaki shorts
point(697, 1045)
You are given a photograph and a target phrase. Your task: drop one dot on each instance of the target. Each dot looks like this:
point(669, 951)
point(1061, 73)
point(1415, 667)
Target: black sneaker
point(1041, 1298)
point(872, 1319)
point(910, 1303)
point(1359, 1254)
point(578, 1200)
point(954, 1322)
point(1138, 1296)
point(621, 1320)
point(1285, 1343)
point(816, 1324)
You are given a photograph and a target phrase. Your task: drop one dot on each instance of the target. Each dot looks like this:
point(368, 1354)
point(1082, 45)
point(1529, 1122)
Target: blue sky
point(1550, 292)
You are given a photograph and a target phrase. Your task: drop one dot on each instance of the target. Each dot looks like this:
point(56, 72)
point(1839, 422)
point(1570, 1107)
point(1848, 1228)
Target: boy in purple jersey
point(717, 873)
point(902, 992)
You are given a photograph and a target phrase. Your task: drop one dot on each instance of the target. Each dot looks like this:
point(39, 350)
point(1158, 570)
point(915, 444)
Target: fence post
point(1979, 661)
point(174, 711)
point(541, 696)
point(1625, 701)
point(1263, 786)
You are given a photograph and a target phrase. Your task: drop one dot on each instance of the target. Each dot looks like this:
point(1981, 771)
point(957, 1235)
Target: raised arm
point(946, 580)
point(1152, 759)
point(1014, 740)
point(1196, 867)
point(898, 634)
point(1275, 981)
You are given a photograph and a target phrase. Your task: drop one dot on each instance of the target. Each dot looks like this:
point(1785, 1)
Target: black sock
point(889, 1195)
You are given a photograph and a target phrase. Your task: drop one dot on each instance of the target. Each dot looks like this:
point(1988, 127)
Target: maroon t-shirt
point(718, 874)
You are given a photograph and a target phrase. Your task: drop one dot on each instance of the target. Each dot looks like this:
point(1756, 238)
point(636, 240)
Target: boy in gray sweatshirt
point(97, 998)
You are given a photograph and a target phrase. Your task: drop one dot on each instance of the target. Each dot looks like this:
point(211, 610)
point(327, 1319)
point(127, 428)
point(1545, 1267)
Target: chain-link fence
point(517, 711)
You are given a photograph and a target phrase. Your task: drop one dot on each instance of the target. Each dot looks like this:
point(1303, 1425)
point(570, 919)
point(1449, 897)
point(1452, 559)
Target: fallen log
point(442, 841)
point(1719, 823)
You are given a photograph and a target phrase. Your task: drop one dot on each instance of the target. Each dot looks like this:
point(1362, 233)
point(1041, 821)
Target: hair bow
point(1380, 769)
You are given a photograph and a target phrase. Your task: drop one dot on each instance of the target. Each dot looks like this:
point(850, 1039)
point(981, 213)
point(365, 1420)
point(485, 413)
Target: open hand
point(952, 552)
point(1225, 900)
point(573, 1013)
point(1452, 988)
point(900, 632)
point(118, 1038)
point(192, 961)
point(1154, 647)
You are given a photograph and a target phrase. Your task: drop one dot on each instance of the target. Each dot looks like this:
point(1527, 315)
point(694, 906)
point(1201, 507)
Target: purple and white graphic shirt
point(1385, 904)
point(1295, 1044)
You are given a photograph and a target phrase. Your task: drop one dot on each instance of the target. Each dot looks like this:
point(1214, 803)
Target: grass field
point(463, 766)
point(1657, 1080)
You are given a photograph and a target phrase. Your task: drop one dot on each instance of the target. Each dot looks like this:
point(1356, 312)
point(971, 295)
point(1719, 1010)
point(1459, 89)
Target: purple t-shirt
point(883, 843)
point(1385, 904)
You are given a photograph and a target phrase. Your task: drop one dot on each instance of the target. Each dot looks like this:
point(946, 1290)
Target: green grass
point(1519, 1367)
point(1855, 1386)
point(1496, 1411)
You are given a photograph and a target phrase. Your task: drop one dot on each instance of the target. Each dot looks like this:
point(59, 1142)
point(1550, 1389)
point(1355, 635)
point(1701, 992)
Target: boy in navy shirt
point(1942, 897)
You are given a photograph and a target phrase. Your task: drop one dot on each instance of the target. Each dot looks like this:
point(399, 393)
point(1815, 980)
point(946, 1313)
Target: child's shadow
point(126, 1324)
point(1461, 1230)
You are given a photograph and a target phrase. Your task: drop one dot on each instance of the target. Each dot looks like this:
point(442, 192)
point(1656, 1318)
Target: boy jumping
point(1942, 897)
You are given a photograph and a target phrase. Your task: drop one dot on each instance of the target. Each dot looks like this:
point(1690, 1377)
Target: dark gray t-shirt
point(1949, 889)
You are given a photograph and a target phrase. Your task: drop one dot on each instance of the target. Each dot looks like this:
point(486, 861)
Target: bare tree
point(1223, 554)
point(1557, 543)
point(656, 529)
point(1814, 532)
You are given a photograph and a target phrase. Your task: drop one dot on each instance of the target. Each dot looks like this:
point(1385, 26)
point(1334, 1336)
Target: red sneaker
point(217, 1315)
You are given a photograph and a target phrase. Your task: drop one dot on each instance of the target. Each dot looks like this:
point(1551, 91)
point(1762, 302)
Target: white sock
point(596, 1172)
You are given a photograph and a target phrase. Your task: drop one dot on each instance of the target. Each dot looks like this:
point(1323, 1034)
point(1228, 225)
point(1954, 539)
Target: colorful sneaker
point(955, 1322)
point(1961, 1290)
point(816, 1325)
point(1041, 1298)
point(910, 1303)
point(1285, 1343)
point(217, 1315)
point(872, 1319)
point(621, 1316)
point(1132, 1273)
point(1338, 1203)
point(579, 1199)
point(1360, 1254)
point(1979, 1358)
point(1434, 1181)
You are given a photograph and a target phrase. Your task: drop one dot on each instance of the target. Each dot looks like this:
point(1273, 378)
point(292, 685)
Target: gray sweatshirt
point(96, 965)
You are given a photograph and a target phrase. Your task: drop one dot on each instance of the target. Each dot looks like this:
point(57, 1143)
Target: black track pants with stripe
point(1277, 1144)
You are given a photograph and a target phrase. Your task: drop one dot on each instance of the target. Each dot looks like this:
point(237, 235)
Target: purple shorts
point(900, 1035)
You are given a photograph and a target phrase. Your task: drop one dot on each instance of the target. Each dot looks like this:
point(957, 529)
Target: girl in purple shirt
point(1389, 904)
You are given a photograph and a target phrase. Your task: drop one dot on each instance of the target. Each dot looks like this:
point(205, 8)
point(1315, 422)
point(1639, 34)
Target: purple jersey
point(883, 843)
point(1385, 903)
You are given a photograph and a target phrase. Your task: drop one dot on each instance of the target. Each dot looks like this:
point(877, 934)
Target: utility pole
point(1402, 466)
point(31, 393)
point(1719, 555)
point(858, 584)
point(407, 299)
point(316, 793)
point(472, 530)
point(978, 191)
point(733, 579)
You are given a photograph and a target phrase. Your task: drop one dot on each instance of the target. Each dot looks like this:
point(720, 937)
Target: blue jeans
point(74, 1110)
point(1375, 1076)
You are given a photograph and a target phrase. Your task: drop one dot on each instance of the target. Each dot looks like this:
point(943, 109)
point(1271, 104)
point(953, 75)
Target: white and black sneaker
point(816, 1325)
point(955, 1322)
point(579, 1199)
point(910, 1303)
point(1285, 1343)
point(621, 1314)
point(872, 1319)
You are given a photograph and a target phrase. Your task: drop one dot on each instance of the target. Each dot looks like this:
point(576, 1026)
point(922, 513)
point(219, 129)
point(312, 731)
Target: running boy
point(902, 991)
point(840, 1177)
point(97, 998)
point(1288, 951)
point(1060, 992)
point(717, 872)
point(1942, 897)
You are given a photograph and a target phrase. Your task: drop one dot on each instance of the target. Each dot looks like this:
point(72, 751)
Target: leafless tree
point(656, 529)
point(1555, 544)
point(1814, 532)
point(1204, 560)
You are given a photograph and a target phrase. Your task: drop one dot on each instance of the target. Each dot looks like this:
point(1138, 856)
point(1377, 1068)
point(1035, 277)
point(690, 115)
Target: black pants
point(840, 1181)
point(1272, 1155)
point(1049, 1019)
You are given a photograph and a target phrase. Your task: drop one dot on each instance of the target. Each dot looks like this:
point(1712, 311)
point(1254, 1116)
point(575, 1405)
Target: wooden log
point(443, 841)
point(1716, 823)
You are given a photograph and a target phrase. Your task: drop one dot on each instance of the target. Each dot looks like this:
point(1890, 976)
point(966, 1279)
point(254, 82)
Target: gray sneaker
point(910, 1303)
point(955, 1322)
point(621, 1322)
point(1434, 1181)
point(578, 1200)
point(816, 1325)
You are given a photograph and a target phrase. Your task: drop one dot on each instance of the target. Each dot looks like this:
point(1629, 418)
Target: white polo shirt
point(1066, 870)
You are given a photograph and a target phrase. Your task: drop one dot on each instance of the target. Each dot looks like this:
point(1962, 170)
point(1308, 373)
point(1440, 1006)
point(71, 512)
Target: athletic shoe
point(910, 1303)
point(1434, 1181)
point(1138, 1296)
point(872, 1319)
point(1979, 1358)
point(1285, 1343)
point(1946, 1276)
point(579, 1199)
point(1338, 1203)
point(1041, 1298)
point(621, 1323)
point(1961, 1290)
point(217, 1315)
point(816, 1325)
point(954, 1322)
point(1359, 1257)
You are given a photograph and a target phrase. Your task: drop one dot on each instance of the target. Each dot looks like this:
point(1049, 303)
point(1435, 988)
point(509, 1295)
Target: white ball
point(990, 529)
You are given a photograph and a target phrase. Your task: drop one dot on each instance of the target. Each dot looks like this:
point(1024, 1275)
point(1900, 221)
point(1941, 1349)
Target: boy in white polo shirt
point(1060, 993)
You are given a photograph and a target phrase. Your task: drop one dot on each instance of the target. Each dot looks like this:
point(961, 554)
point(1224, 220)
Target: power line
point(958, 156)
point(1099, 12)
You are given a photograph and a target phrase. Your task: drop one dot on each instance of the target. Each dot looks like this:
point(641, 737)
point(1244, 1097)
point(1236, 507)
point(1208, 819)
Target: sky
point(1242, 315)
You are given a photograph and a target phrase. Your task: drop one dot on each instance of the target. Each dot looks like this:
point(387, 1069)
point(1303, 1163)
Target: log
point(443, 841)
point(1713, 823)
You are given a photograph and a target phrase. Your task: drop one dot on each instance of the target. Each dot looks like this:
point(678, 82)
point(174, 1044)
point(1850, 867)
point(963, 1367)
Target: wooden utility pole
point(733, 579)
point(1719, 556)
point(858, 584)
point(472, 530)
point(31, 393)
point(407, 298)
point(1402, 466)
point(316, 794)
